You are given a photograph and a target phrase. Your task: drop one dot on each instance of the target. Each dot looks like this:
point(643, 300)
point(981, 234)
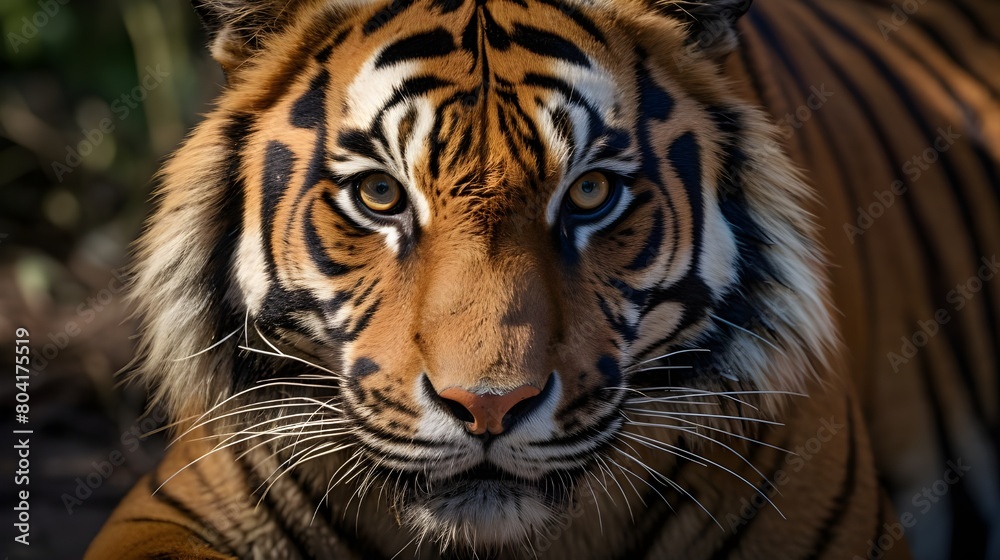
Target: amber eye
point(590, 191)
point(380, 192)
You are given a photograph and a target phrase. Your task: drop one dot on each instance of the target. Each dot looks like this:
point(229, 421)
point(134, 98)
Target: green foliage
point(92, 96)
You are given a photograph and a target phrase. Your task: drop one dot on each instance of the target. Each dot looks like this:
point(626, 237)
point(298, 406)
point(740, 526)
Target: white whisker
point(227, 337)
point(661, 413)
point(668, 355)
point(749, 332)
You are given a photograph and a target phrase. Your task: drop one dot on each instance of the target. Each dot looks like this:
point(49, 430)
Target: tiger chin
point(487, 278)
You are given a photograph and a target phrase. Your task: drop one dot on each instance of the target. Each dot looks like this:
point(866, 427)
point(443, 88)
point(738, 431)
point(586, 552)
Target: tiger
point(577, 279)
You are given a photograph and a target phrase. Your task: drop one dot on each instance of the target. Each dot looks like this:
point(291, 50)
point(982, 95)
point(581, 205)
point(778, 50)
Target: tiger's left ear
point(237, 28)
point(711, 24)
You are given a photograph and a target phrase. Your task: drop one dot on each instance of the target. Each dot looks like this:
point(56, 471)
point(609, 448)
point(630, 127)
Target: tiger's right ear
point(711, 24)
point(237, 28)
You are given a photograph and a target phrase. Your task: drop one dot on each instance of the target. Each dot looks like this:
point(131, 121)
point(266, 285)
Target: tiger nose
point(486, 413)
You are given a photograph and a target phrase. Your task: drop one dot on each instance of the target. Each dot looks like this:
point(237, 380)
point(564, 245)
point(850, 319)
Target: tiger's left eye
point(590, 192)
point(380, 192)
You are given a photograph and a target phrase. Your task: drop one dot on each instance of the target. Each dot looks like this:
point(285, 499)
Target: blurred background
point(93, 96)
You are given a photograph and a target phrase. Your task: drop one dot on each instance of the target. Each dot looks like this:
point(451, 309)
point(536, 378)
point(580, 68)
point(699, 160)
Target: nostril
point(520, 410)
point(458, 410)
point(527, 406)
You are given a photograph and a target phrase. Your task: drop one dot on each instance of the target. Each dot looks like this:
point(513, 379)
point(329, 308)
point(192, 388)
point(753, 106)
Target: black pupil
point(382, 188)
point(588, 186)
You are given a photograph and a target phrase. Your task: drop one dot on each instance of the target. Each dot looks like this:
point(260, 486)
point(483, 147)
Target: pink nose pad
point(487, 411)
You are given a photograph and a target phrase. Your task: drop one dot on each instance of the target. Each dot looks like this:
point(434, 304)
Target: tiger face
point(449, 246)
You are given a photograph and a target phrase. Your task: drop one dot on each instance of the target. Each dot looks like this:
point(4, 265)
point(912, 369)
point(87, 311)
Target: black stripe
point(598, 429)
point(662, 512)
point(356, 230)
point(685, 157)
point(695, 296)
point(429, 44)
point(613, 141)
point(543, 43)
point(216, 281)
point(938, 40)
point(375, 432)
point(268, 500)
point(976, 22)
point(386, 15)
point(494, 33)
point(363, 296)
point(362, 323)
point(578, 18)
point(438, 143)
point(651, 248)
point(835, 516)
point(733, 541)
point(448, 6)
point(318, 252)
point(163, 496)
point(874, 550)
point(309, 110)
point(279, 161)
point(618, 322)
point(520, 126)
point(324, 55)
point(405, 134)
point(413, 87)
point(970, 531)
point(655, 104)
point(573, 96)
point(359, 142)
point(754, 270)
point(384, 399)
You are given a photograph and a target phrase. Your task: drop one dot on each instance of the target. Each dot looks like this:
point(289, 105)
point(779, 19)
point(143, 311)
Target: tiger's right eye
point(380, 193)
point(589, 192)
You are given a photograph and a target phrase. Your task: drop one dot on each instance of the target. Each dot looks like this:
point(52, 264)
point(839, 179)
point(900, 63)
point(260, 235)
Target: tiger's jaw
point(489, 491)
point(485, 507)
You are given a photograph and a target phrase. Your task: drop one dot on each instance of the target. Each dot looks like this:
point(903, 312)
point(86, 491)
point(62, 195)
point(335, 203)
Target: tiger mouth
point(487, 472)
point(552, 489)
point(497, 507)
